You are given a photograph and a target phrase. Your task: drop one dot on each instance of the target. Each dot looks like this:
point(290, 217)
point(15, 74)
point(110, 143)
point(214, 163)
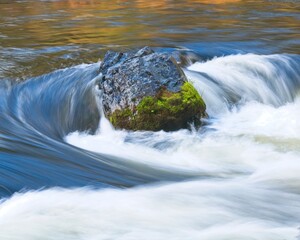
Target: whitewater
point(71, 175)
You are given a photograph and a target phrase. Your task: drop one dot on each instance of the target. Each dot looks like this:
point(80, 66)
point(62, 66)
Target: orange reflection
point(75, 3)
point(215, 1)
point(152, 4)
point(125, 22)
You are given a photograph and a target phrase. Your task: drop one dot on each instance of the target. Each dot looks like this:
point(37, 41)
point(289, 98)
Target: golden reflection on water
point(120, 22)
point(106, 24)
point(216, 1)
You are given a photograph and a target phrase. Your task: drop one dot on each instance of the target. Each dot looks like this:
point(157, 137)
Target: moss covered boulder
point(144, 90)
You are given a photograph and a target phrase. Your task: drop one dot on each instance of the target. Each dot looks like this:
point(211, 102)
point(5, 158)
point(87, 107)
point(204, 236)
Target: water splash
point(244, 163)
point(226, 81)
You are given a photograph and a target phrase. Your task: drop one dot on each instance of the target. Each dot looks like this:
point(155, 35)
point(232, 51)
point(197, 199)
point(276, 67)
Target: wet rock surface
point(140, 87)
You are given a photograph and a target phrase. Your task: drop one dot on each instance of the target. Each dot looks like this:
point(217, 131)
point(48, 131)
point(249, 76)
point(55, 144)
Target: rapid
point(67, 174)
point(236, 177)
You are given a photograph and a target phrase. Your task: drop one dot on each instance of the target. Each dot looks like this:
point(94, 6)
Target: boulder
point(144, 90)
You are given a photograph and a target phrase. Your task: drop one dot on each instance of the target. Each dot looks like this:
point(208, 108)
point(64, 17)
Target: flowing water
point(66, 173)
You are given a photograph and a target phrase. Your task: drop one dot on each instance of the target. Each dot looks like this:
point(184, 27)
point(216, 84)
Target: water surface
point(40, 36)
point(66, 173)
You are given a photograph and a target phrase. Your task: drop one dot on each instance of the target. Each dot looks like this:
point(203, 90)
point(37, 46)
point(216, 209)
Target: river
point(66, 173)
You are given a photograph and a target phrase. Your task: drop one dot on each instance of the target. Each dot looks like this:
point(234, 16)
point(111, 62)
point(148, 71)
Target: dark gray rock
point(127, 78)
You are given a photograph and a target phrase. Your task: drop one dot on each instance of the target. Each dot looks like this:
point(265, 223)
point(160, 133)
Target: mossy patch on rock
point(165, 111)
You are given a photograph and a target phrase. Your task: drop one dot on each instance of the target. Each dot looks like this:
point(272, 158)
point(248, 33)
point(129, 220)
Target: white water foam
point(255, 140)
point(189, 210)
point(238, 140)
point(248, 163)
point(223, 81)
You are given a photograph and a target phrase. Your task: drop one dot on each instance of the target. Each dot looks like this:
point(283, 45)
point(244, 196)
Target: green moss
point(121, 117)
point(191, 96)
point(167, 110)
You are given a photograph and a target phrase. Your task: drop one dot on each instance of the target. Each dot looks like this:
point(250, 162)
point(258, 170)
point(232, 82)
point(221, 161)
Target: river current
point(66, 173)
